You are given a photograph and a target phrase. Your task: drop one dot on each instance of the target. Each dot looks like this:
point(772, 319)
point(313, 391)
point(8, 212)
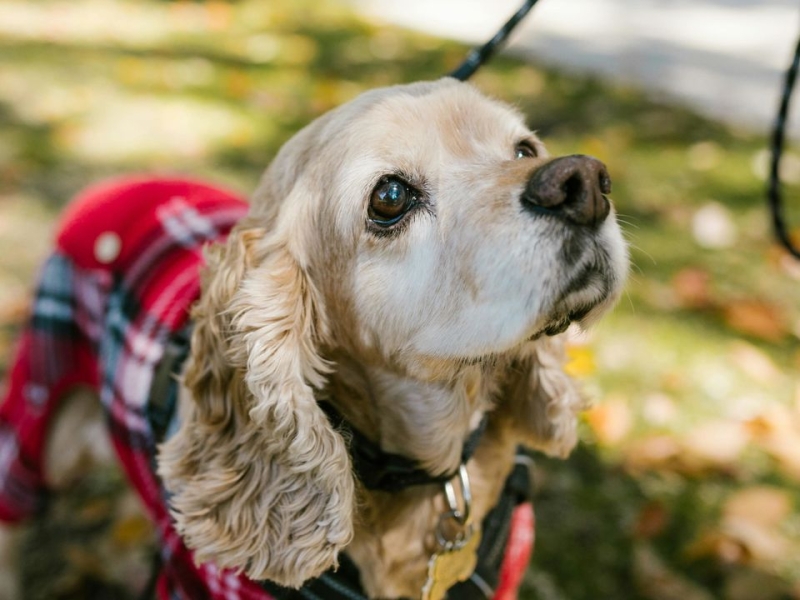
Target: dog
point(396, 292)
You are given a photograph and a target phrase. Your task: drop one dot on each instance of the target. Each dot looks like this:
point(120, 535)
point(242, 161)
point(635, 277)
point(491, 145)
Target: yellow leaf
point(580, 361)
point(132, 531)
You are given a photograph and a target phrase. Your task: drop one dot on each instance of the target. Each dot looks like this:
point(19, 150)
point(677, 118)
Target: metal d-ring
point(459, 514)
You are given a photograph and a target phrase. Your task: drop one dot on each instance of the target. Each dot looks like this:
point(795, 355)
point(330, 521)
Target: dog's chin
point(583, 306)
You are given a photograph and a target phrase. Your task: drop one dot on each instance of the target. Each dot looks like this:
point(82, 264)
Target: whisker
point(644, 252)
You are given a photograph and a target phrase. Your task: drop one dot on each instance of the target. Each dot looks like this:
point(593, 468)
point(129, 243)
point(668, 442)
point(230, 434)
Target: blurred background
point(685, 485)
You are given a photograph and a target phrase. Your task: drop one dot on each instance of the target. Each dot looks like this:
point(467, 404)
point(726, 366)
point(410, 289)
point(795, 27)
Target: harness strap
point(163, 398)
point(378, 469)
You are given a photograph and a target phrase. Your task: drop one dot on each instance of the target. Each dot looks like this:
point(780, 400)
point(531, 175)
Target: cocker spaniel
point(396, 292)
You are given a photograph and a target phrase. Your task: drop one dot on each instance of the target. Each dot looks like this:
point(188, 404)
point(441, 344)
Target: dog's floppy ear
point(259, 480)
point(542, 400)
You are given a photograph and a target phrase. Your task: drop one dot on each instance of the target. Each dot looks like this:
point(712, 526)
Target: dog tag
point(448, 567)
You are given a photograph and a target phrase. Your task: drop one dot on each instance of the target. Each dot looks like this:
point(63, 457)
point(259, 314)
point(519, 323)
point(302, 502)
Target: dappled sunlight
point(121, 130)
point(96, 21)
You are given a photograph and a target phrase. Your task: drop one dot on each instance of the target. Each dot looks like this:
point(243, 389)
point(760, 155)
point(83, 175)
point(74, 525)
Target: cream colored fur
point(413, 336)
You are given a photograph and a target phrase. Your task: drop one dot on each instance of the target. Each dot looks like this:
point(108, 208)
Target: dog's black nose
point(571, 187)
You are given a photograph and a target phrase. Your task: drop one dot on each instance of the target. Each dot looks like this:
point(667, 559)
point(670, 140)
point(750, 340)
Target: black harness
point(376, 469)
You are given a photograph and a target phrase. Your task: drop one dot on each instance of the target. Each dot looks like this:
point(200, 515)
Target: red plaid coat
point(116, 289)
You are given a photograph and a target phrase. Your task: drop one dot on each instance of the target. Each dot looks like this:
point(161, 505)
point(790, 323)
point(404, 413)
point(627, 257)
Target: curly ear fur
point(542, 399)
point(260, 481)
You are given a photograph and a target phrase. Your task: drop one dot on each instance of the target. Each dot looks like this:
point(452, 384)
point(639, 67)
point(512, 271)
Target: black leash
point(774, 196)
point(478, 56)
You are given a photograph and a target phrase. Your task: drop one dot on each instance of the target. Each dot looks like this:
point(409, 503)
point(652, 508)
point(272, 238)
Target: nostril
point(604, 181)
point(573, 188)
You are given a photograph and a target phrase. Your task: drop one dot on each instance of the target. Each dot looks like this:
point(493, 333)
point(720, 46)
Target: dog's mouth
point(559, 324)
point(588, 289)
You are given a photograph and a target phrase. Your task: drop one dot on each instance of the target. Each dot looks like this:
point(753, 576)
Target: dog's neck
point(426, 421)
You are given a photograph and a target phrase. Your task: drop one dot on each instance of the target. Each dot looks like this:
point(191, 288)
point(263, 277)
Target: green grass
point(696, 377)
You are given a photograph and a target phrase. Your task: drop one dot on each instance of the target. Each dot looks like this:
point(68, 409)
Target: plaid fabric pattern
point(102, 319)
point(113, 294)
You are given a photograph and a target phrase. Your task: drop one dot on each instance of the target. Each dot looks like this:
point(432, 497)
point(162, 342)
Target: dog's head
point(421, 227)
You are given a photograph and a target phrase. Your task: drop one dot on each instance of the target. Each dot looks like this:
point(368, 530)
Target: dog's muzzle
point(572, 188)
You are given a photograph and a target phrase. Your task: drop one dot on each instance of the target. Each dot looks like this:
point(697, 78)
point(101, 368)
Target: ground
point(685, 485)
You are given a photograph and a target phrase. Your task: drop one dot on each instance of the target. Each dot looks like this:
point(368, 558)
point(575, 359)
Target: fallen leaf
point(714, 444)
point(777, 432)
point(651, 520)
point(763, 505)
point(754, 362)
point(132, 531)
point(757, 318)
point(580, 361)
point(760, 545)
point(218, 15)
point(717, 545)
point(786, 450)
point(654, 452)
point(610, 421)
point(692, 289)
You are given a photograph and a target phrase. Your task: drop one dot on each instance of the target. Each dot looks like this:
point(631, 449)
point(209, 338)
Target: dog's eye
point(525, 150)
point(390, 200)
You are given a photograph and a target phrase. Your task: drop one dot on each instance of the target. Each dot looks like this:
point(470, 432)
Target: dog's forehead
point(446, 116)
point(457, 119)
